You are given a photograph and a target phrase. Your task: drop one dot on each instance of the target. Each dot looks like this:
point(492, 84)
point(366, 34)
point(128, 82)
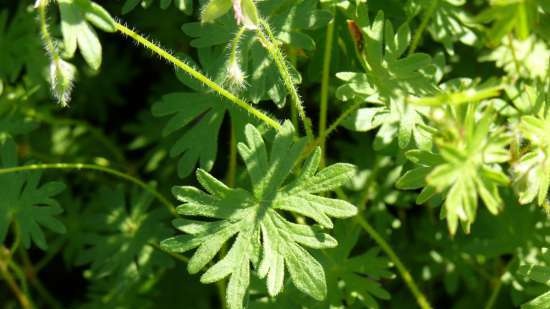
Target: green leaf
point(25, 203)
point(264, 238)
point(215, 9)
point(120, 239)
point(464, 169)
point(78, 33)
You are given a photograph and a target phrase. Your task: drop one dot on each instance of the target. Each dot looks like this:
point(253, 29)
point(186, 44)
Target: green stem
point(179, 257)
point(199, 76)
point(49, 44)
point(513, 51)
point(423, 24)
point(317, 142)
point(403, 271)
point(325, 83)
point(270, 43)
point(24, 301)
point(498, 286)
point(93, 167)
point(32, 275)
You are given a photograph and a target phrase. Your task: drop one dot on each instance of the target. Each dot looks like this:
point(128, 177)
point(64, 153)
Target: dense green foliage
point(304, 154)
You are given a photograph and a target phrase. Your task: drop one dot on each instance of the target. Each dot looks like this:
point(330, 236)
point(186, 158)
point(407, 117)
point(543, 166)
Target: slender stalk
point(269, 42)
point(403, 271)
point(423, 24)
point(517, 63)
point(199, 76)
point(325, 83)
point(317, 142)
point(179, 257)
point(498, 285)
point(93, 167)
point(22, 298)
point(49, 44)
point(31, 274)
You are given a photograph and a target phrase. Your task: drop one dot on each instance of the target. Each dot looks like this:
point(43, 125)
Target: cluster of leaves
point(442, 107)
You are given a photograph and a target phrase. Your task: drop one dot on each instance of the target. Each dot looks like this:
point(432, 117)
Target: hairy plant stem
point(199, 76)
point(270, 43)
point(403, 271)
point(49, 44)
point(93, 167)
point(325, 84)
point(423, 24)
point(22, 298)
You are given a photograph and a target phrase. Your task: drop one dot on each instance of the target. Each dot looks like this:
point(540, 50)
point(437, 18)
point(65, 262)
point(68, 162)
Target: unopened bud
point(62, 74)
point(246, 13)
point(236, 78)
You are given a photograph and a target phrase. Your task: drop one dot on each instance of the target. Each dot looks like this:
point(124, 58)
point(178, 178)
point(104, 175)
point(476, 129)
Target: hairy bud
point(62, 75)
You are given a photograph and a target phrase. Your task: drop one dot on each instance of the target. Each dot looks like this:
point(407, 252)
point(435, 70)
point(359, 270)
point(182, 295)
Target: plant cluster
point(304, 154)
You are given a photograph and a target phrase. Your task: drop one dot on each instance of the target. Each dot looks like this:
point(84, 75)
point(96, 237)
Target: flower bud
point(62, 74)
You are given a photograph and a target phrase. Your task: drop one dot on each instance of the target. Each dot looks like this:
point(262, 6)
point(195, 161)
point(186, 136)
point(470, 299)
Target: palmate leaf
point(25, 203)
point(539, 272)
point(119, 241)
point(255, 219)
point(464, 168)
point(21, 46)
point(390, 79)
point(449, 21)
point(506, 16)
point(532, 177)
point(353, 278)
point(523, 58)
point(76, 17)
point(197, 117)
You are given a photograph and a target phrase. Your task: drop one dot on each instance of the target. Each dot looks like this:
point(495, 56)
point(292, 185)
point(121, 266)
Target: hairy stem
point(93, 167)
point(423, 24)
point(270, 43)
point(403, 271)
point(199, 76)
point(325, 83)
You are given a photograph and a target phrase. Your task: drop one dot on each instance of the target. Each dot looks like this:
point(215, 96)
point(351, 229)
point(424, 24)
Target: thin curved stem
point(93, 167)
point(32, 275)
point(317, 142)
point(22, 298)
point(270, 43)
point(423, 24)
point(498, 285)
point(199, 76)
point(325, 84)
point(403, 271)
